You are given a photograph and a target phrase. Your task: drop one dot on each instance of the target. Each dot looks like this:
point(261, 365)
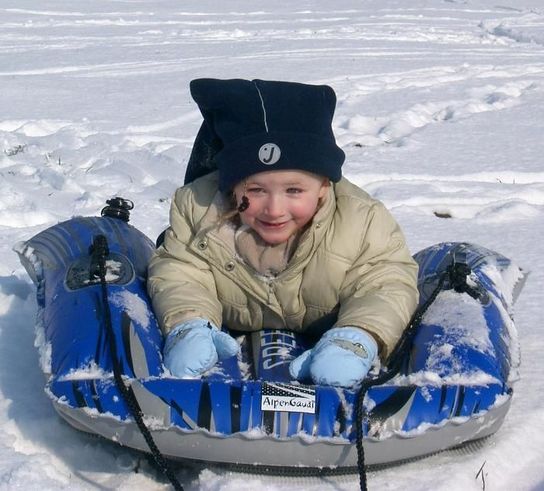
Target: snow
point(135, 307)
point(440, 112)
point(89, 372)
point(449, 309)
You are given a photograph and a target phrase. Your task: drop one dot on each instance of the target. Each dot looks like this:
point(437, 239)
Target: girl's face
point(280, 202)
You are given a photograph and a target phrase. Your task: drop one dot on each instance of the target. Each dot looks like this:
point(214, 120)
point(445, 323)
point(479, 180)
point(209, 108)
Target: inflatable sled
point(454, 382)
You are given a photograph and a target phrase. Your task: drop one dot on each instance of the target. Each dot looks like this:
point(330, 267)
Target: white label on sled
point(284, 397)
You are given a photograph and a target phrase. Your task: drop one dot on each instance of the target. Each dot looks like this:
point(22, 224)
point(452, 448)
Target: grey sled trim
point(201, 445)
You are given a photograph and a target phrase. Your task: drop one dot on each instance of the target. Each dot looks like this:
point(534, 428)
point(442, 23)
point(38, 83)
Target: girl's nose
point(274, 206)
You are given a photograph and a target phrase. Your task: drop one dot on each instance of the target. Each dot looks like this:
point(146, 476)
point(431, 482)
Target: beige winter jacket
point(351, 265)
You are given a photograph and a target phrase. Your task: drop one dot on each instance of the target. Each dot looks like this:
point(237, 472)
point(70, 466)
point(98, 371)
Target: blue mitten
point(342, 358)
point(194, 346)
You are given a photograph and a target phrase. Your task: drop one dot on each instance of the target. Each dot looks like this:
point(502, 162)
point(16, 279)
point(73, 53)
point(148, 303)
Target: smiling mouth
point(272, 224)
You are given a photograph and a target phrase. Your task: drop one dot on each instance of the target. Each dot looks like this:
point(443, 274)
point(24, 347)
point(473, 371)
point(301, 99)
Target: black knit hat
point(256, 126)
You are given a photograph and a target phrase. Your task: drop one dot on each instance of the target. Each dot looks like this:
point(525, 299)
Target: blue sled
point(455, 384)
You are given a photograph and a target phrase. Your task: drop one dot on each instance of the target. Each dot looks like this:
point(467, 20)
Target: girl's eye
point(294, 190)
point(255, 190)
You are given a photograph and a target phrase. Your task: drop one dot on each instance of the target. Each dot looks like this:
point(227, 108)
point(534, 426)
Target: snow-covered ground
point(440, 111)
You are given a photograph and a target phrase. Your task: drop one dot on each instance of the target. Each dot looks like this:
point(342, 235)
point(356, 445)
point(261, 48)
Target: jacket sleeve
point(379, 293)
point(180, 283)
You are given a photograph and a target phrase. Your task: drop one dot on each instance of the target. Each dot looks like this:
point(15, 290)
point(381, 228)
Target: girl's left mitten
point(341, 358)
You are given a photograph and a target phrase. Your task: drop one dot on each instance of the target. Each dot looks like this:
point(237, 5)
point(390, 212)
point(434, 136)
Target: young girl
point(276, 238)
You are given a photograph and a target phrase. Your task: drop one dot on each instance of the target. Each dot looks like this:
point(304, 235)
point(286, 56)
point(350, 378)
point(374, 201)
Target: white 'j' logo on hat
point(269, 153)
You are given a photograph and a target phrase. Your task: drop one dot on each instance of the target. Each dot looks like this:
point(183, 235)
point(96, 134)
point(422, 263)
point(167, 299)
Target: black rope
point(99, 251)
point(396, 358)
point(118, 208)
